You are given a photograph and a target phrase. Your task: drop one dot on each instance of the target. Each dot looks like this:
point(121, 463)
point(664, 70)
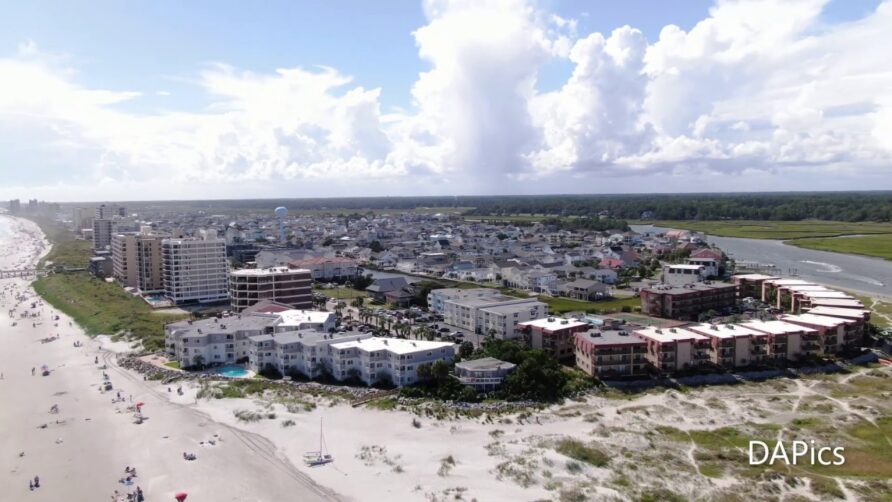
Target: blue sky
point(168, 52)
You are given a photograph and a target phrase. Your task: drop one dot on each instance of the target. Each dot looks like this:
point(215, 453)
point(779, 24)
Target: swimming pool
point(232, 371)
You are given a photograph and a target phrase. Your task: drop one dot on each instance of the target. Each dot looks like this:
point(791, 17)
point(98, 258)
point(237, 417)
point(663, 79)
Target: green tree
point(327, 242)
point(376, 246)
point(465, 349)
point(424, 371)
point(539, 377)
point(440, 370)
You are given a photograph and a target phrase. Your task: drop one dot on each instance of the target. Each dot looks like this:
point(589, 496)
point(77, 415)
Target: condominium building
point(306, 352)
point(675, 349)
point(149, 264)
point(734, 346)
point(689, 301)
point(750, 285)
point(610, 353)
point(554, 335)
point(387, 359)
point(788, 341)
point(216, 340)
point(327, 268)
point(103, 229)
point(195, 269)
point(292, 287)
point(485, 311)
point(124, 259)
point(225, 339)
point(835, 334)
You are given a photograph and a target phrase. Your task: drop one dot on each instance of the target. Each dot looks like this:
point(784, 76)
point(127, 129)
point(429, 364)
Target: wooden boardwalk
point(22, 273)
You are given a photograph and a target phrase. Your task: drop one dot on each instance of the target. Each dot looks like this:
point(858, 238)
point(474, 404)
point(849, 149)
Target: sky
point(151, 100)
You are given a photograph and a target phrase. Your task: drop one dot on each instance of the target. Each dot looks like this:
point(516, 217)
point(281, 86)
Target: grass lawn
point(879, 246)
point(563, 305)
point(342, 293)
point(779, 229)
point(66, 251)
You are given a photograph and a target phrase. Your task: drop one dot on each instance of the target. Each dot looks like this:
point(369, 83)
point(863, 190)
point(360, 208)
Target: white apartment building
point(485, 310)
point(679, 275)
point(216, 340)
point(437, 298)
point(305, 351)
point(195, 269)
point(292, 287)
point(394, 359)
point(327, 268)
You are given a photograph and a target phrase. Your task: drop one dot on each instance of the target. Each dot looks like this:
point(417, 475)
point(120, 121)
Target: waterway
point(844, 271)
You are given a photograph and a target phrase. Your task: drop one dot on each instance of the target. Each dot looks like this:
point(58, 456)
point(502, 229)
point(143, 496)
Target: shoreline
point(81, 451)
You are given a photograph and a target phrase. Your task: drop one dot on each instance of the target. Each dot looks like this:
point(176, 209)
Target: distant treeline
point(792, 206)
point(591, 224)
point(840, 206)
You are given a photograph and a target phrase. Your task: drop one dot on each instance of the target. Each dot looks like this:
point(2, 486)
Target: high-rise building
point(124, 259)
point(195, 269)
point(280, 284)
point(103, 229)
point(150, 269)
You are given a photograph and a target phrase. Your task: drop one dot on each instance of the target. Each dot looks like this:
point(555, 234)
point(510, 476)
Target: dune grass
point(104, 308)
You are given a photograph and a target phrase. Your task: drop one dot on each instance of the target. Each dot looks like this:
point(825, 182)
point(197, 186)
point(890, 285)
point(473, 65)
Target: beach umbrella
point(181, 496)
point(140, 404)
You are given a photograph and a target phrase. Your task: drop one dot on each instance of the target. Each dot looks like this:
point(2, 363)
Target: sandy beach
point(80, 453)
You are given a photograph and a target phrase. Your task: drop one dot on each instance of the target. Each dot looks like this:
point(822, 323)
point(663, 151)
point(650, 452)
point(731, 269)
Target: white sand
point(82, 457)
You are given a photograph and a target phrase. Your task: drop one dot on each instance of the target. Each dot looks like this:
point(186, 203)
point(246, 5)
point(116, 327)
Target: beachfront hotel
point(292, 287)
point(195, 269)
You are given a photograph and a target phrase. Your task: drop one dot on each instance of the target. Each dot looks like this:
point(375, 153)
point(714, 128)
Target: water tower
point(281, 213)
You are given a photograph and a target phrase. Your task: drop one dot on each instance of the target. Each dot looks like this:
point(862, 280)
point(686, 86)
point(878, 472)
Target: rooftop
point(843, 313)
point(609, 337)
point(790, 282)
point(725, 330)
point(486, 363)
point(394, 345)
point(255, 272)
point(776, 327)
point(226, 325)
point(689, 288)
point(837, 302)
point(669, 335)
point(816, 320)
point(553, 323)
point(755, 277)
point(295, 317)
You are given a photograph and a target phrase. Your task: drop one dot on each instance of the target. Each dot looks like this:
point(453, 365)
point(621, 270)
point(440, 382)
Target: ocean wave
point(827, 267)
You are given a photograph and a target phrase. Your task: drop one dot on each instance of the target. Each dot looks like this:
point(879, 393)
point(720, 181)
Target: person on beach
point(36, 481)
point(32, 371)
